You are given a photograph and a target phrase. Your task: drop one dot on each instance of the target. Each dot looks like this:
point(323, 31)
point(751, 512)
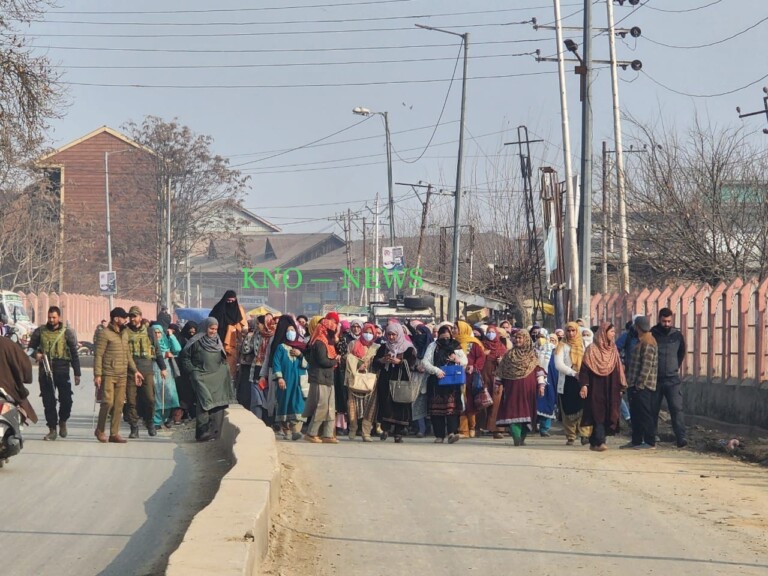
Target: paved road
point(77, 507)
point(483, 507)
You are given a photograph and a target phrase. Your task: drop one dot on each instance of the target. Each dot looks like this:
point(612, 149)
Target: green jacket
point(113, 355)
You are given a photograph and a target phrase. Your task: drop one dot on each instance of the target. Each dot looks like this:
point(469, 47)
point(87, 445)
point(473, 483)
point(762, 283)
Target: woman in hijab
point(321, 405)
point(204, 359)
point(568, 356)
point(475, 352)
point(183, 385)
point(602, 382)
point(495, 345)
point(232, 322)
point(361, 406)
point(588, 336)
point(545, 405)
point(390, 361)
point(166, 395)
point(421, 337)
point(445, 402)
point(288, 364)
point(524, 381)
point(262, 396)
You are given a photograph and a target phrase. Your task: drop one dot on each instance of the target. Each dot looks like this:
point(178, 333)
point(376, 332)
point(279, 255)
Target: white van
point(13, 313)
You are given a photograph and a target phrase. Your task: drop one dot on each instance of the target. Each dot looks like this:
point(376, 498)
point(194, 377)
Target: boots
point(151, 430)
point(51, 434)
point(134, 432)
point(63, 429)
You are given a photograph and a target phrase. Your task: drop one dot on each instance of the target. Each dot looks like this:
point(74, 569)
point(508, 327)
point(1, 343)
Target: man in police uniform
point(141, 397)
point(59, 346)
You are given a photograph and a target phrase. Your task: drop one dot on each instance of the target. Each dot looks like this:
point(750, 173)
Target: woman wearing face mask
point(288, 365)
point(359, 358)
point(444, 401)
point(496, 348)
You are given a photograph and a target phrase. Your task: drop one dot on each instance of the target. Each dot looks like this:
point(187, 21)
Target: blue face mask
point(290, 335)
point(491, 336)
point(367, 336)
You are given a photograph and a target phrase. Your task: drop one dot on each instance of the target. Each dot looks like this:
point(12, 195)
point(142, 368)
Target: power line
point(685, 10)
point(708, 44)
point(318, 85)
point(681, 93)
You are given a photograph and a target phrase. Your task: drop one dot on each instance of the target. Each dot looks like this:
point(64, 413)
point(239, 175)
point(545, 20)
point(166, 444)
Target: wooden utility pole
point(424, 212)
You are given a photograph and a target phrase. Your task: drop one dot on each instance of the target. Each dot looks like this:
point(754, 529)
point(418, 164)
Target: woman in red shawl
point(495, 349)
point(359, 357)
point(602, 381)
point(321, 402)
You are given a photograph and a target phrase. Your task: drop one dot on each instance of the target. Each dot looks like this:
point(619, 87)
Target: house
point(106, 168)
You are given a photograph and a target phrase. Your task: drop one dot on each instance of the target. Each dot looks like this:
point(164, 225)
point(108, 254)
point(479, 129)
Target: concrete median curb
point(231, 534)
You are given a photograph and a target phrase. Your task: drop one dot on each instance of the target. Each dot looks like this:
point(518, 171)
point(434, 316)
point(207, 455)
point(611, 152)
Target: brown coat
point(113, 355)
point(15, 371)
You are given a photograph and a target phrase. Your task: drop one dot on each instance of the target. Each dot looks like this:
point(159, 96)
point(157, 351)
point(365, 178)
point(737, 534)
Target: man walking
point(55, 349)
point(140, 398)
point(111, 364)
point(671, 346)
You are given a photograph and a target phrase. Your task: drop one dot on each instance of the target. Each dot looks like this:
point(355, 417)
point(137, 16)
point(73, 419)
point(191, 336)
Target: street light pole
point(454, 286)
point(168, 299)
point(109, 225)
point(585, 216)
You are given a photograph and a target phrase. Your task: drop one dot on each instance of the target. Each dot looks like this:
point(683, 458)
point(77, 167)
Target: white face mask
point(367, 336)
point(491, 336)
point(290, 335)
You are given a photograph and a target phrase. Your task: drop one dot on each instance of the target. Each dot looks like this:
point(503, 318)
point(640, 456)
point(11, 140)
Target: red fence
point(81, 312)
point(725, 327)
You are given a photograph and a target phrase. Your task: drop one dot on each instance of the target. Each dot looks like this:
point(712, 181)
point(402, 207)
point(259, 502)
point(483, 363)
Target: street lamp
point(360, 111)
point(454, 286)
point(109, 225)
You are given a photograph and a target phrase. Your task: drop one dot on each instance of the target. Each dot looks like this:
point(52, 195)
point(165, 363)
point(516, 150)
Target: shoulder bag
point(359, 382)
point(403, 390)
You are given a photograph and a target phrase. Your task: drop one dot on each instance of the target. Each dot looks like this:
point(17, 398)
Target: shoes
point(207, 437)
point(419, 435)
point(545, 434)
point(384, 436)
point(570, 442)
point(331, 440)
point(367, 438)
point(117, 439)
point(453, 438)
point(100, 436)
point(517, 441)
point(313, 439)
point(460, 435)
point(584, 440)
point(134, 432)
point(63, 429)
point(682, 443)
point(51, 434)
point(629, 445)
point(644, 446)
point(439, 440)
point(151, 430)
point(471, 433)
point(498, 436)
point(601, 448)
point(296, 436)
point(398, 439)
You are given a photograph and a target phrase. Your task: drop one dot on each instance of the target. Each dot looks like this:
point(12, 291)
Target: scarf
point(312, 324)
point(360, 347)
point(325, 332)
point(577, 346)
point(444, 348)
point(602, 357)
point(227, 313)
point(401, 343)
point(186, 332)
point(465, 336)
point(496, 348)
point(520, 361)
point(161, 339)
point(207, 343)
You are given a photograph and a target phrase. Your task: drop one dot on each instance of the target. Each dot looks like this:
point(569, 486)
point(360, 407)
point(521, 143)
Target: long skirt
point(518, 403)
point(166, 396)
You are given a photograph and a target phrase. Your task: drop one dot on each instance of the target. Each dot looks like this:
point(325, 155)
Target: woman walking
point(166, 396)
point(361, 405)
point(602, 381)
point(183, 384)
point(473, 348)
point(445, 404)
point(288, 364)
point(568, 359)
point(394, 361)
point(642, 375)
point(421, 336)
point(320, 405)
point(524, 381)
point(204, 359)
point(495, 345)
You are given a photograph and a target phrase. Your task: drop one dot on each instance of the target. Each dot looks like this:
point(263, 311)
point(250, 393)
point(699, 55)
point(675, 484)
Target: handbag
point(483, 399)
point(404, 391)
point(359, 382)
point(477, 381)
point(454, 375)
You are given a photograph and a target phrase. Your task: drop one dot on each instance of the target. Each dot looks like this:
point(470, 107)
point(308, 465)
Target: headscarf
point(576, 343)
point(207, 343)
point(496, 348)
point(520, 361)
point(162, 340)
point(589, 338)
point(401, 343)
point(285, 322)
point(505, 338)
point(445, 347)
point(421, 336)
point(465, 336)
point(359, 347)
point(186, 334)
point(353, 323)
point(325, 332)
point(266, 331)
point(602, 357)
point(312, 324)
point(227, 313)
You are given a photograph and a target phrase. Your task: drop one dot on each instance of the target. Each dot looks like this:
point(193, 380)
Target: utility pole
point(423, 226)
point(765, 111)
point(604, 237)
point(585, 215)
point(168, 297)
point(348, 241)
point(620, 188)
point(376, 294)
point(364, 291)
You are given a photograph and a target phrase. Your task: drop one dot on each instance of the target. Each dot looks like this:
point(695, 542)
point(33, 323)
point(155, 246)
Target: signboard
point(249, 302)
point(108, 283)
point(393, 257)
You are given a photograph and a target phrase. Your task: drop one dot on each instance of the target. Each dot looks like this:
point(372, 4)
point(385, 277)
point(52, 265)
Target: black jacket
point(671, 353)
point(320, 365)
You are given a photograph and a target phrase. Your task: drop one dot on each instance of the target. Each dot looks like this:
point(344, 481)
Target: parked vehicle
point(85, 348)
point(14, 315)
point(11, 420)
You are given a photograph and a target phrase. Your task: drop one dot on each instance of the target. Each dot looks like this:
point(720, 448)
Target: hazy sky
point(266, 76)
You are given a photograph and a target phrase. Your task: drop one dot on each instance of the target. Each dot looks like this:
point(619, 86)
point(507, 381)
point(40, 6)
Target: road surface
point(77, 507)
point(484, 507)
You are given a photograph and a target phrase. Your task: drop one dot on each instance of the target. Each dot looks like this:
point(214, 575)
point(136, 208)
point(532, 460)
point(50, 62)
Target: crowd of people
point(324, 378)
